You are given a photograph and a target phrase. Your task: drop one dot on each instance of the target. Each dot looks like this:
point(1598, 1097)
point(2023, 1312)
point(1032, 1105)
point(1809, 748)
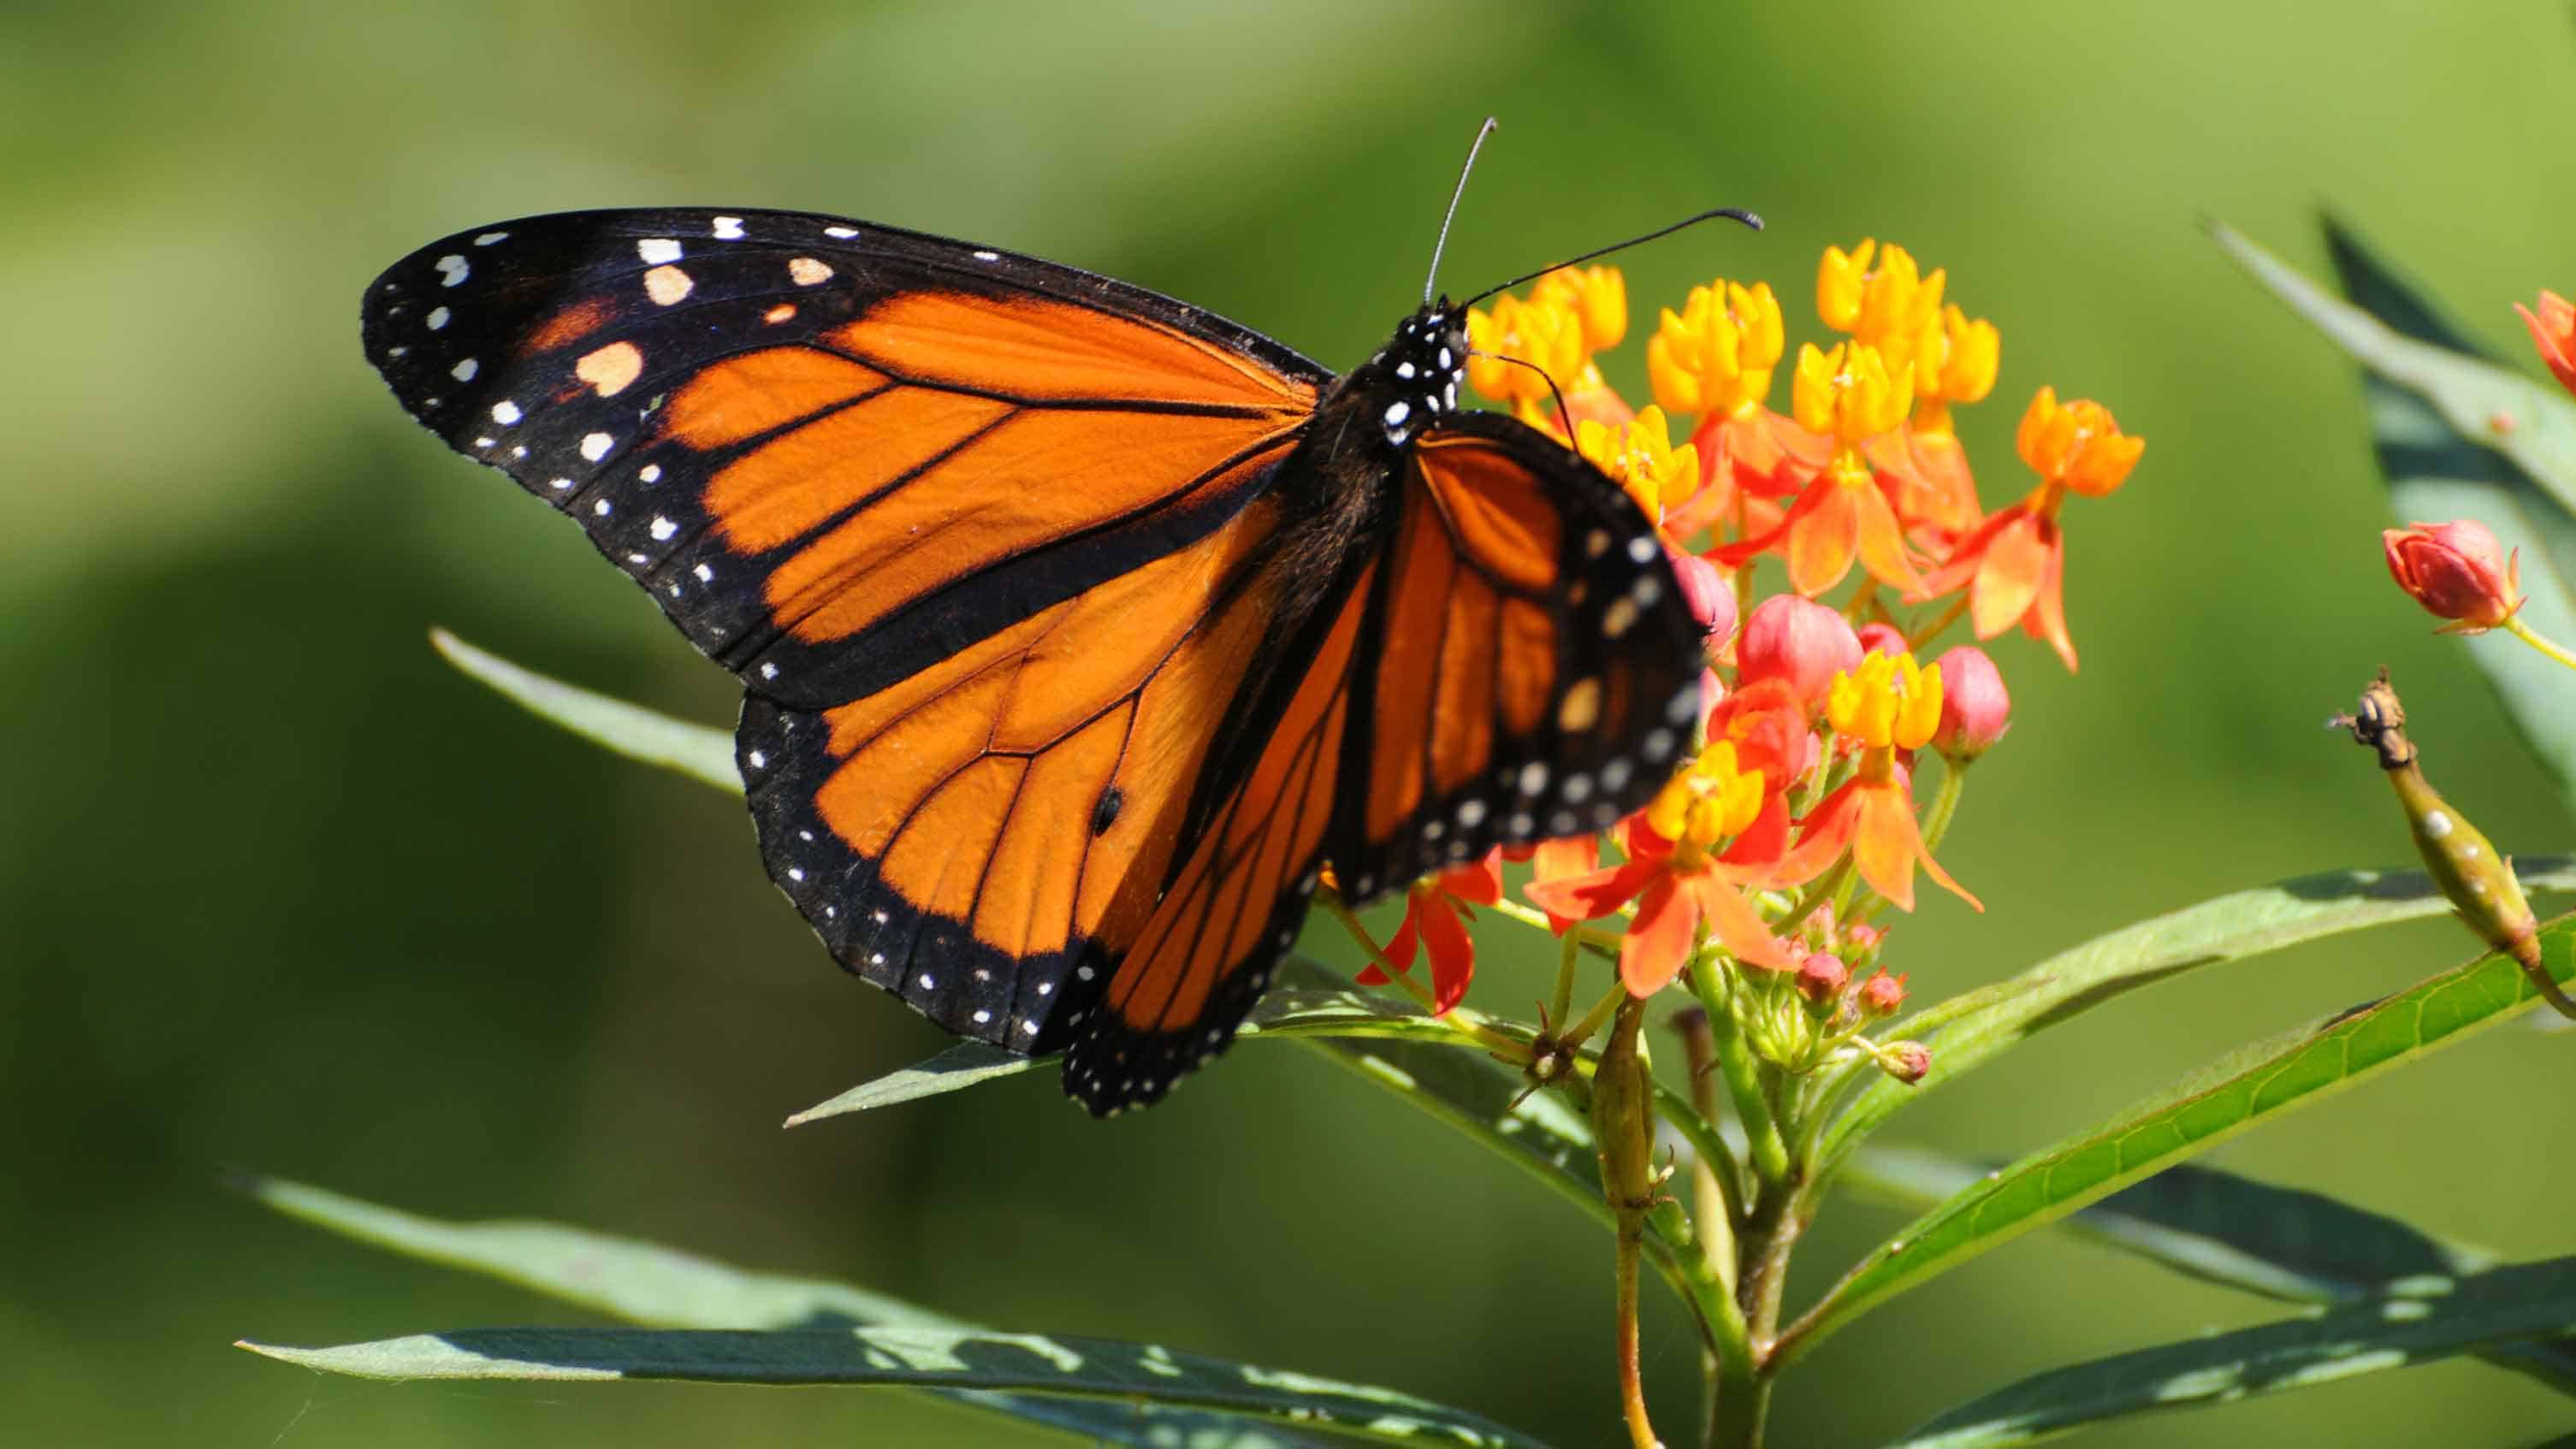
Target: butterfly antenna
point(1451, 215)
point(1564, 414)
point(1731, 213)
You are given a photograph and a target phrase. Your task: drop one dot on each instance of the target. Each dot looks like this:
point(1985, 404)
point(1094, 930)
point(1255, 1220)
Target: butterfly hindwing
point(1514, 664)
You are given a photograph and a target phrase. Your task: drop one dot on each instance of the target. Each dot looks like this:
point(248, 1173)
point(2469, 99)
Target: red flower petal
point(1399, 951)
point(1660, 939)
point(1590, 897)
point(1452, 951)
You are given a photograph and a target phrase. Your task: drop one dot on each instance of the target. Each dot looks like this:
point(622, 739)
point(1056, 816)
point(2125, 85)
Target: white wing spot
point(1619, 618)
point(840, 233)
point(760, 761)
point(600, 508)
point(1533, 777)
point(1646, 590)
point(1596, 543)
point(1471, 813)
point(561, 485)
point(729, 228)
point(505, 412)
point(769, 671)
point(595, 446)
point(1404, 370)
point(1659, 745)
point(982, 1017)
point(482, 442)
point(610, 369)
point(1083, 972)
point(658, 250)
point(927, 982)
point(649, 473)
point(490, 237)
point(1576, 788)
point(1397, 412)
point(464, 371)
point(667, 285)
point(988, 256)
point(663, 528)
point(807, 272)
point(438, 318)
point(1641, 548)
point(705, 574)
point(795, 873)
point(453, 269)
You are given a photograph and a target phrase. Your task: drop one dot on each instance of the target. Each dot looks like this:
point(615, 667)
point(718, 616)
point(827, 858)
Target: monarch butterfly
point(1078, 628)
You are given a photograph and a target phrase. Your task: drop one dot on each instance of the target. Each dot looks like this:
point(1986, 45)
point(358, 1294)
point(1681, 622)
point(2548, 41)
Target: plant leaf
point(2252, 1085)
point(2419, 1321)
point(629, 729)
point(2279, 1242)
point(649, 1284)
point(1125, 1373)
point(1322, 1008)
point(2434, 402)
point(1968, 1030)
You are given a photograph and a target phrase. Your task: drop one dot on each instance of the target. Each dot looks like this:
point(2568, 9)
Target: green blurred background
point(277, 889)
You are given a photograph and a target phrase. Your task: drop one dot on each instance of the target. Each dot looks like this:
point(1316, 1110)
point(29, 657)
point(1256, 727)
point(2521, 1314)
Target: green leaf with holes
point(645, 1283)
point(2252, 1086)
point(1971, 1029)
point(1121, 1376)
point(2416, 1321)
point(631, 730)
point(2279, 1242)
point(2458, 435)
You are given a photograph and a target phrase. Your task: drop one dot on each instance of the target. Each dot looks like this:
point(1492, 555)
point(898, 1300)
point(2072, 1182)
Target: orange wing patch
point(1043, 350)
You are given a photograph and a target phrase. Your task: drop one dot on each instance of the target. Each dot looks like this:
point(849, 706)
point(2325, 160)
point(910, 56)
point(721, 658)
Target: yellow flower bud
point(1839, 280)
point(1850, 393)
point(1596, 295)
point(1549, 338)
point(1642, 459)
point(1717, 355)
point(1886, 702)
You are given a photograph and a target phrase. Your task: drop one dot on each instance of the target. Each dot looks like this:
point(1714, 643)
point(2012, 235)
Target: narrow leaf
point(649, 1284)
point(2419, 1321)
point(2435, 474)
point(2279, 1242)
point(631, 730)
point(1969, 1030)
point(1127, 1373)
point(2253, 1085)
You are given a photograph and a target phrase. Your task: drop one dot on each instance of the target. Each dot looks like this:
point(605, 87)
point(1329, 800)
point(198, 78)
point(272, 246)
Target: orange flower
point(1435, 915)
point(1886, 706)
point(2014, 563)
point(1851, 395)
point(2553, 331)
point(1682, 887)
point(1551, 337)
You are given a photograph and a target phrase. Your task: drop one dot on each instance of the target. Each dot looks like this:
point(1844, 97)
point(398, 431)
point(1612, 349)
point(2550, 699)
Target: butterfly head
point(1419, 371)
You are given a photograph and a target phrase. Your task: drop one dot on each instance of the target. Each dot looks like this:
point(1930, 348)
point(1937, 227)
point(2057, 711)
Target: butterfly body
point(1079, 629)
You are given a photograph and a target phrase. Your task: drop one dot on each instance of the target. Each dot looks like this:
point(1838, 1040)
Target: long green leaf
point(2420, 1321)
point(1127, 1373)
point(2251, 1086)
point(1969, 1030)
point(645, 1283)
point(630, 730)
point(2279, 1242)
point(2436, 473)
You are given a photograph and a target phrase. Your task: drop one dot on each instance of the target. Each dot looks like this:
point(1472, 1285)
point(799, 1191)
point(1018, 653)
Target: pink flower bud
point(1798, 641)
point(1975, 707)
point(1705, 591)
point(1881, 995)
point(2455, 570)
point(1821, 979)
point(1907, 1061)
point(1862, 939)
point(1882, 638)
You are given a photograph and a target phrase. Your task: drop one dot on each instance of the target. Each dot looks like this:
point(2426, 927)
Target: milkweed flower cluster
point(1765, 866)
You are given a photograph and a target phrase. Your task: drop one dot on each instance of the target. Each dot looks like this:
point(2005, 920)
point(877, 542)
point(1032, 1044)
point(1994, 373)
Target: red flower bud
point(1907, 1061)
point(2457, 571)
point(1800, 642)
point(2553, 330)
point(1821, 979)
point(1881, 995)
point(1705, 591)
point(1882, 638)
point(1975, 707)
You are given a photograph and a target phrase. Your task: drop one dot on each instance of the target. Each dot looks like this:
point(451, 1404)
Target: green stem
point(1940, 623)
point(2513, 625)
point(1508, 1048)
point(1743, 1080)
point(1712, 1201)
point(1593, 1020)
point(1817, 894)
point(1568, 952)
point(1945, 803)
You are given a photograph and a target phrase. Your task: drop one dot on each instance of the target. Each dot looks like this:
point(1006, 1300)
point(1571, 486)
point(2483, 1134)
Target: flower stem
point(1568, 952)
point(1743, 1080)
point(1817, 894)
point(1623, 1127)
point(2513, 625)
point(1711, 1203)
point(1940, 623)
point(1945, 803)
point(1593, 1020)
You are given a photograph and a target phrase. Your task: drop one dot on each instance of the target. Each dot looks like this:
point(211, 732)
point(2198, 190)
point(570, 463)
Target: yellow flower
point(1839, 282)
point(1541, 335)
point(1709, 801)
point(1596, 295)
point(2076, 445)
point(1886, 702)
point(1850, 393)
point(1961, 369)
point(1717, 356)
point(1642, 458)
